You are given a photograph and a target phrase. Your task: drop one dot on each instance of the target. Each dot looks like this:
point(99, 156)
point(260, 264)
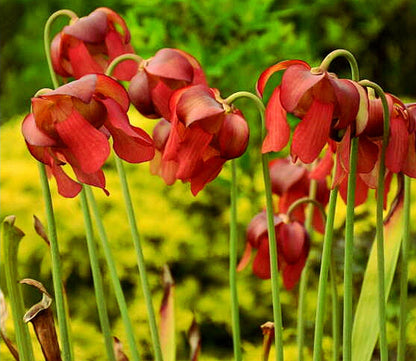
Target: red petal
point(88, 145)
point(264, 77)
point(312, 132)
point(398, 144)
point(161, 133)
point(96, 179)
point(291, 241)
point(206, 173)
point(278, 131)
point(291, 273)
point(324, 166)
point(82, 88)
point(33, 135)
point(91, 28)
point(284, 174)
point(296, 81)
point(114, 18)
point(233, 136)
point(198, 73)
point(57, 57)
point(168, 63)
point(348, 100)
point(361, 191)
point(140, 96)
point(161, 95)
point(81, 60)
point(245, 259)
point(109, 88)
point(67, 187)
point(409, 166)
point(257, 228)
point(261, 264)
point(367, 155)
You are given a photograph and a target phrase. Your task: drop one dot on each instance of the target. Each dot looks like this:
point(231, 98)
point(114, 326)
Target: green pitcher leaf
point(366, 323)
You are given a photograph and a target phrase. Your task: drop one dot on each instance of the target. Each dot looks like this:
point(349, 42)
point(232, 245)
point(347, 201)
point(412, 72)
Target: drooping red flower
point(203, 134)
point(159, 77)
point(89, 44)
point(291, 182)
point(292, 248)
point(72, 123)
point(325, 104)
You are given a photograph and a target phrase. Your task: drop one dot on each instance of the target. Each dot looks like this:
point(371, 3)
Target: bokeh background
point(234, 41)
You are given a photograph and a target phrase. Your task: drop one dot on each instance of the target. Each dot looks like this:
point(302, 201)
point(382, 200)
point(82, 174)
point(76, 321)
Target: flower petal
point(324, 166)
point(278, 130)
point(261, 264)
point(245, 259)
point(33, 135)
point(233, 136)
point(88, 145)
point(398, 144)
point(348, 101)
point(109, 88)
point(409, 165)
point(284, 174)
point(139, 93)
point(57, 58)
point(96, 179)
point(291, 241)
point(91, 28)
point(312, 133)
point(206, 173)
point(81, 60)
point(82, 88)
point(67, 187)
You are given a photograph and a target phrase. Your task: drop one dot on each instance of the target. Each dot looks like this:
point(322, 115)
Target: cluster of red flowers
point(71, 124)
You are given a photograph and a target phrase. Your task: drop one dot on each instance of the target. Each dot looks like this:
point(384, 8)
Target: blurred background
point(235, 42)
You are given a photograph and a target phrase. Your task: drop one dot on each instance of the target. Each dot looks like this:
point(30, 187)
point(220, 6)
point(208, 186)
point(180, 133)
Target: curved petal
point(67, 187)
point(33, 135)
point(257, 228)
point(161, 133)
point(348, 101)
point(291, 241)
point(361, 191)
point(296, 81)
point(82, 88)
point(278, 130)
point(261, 264)
point(291, 273)
point(57, 57)
point(233, 136)
point(324, 166)
point(312, 133)
point(398, 144)
point(367, 155)
point(81, 60)
point(109, 88)
point(264, 77)
point(96, 179)
point(114, 18)
point(91, 28)
point(139, 93)
point(206, 173)
point(409, 165)
point(284, 174)
point(245, 259)
point(88, 145)
point(161, 95)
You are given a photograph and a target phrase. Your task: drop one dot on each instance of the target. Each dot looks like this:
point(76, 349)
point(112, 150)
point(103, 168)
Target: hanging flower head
point(72, 123)
point(159, 77)
point(325, 104)
point(292, 248)
point(203, 134)
point(89, 44)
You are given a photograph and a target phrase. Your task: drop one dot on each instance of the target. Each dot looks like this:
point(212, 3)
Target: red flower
point(72, 123)
point(89, 45)
point(292, 248)
point(326, 105)
point(291, 182)
point(158, 78)
point(203, 134)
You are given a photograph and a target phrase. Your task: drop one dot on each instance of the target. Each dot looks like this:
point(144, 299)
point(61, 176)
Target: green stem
point(97, 279)
point(401, 350)
point(349, 248)
point(323, 276)
point(140, 260)
point(335, 311)
point(47, 37)
point(379, 224)
point(313, 187)
point(113, 275)
point(56, 268)
point(139, 60)
point(235, 317)
point(345, 54)
point(277, 309)
point(11, 239)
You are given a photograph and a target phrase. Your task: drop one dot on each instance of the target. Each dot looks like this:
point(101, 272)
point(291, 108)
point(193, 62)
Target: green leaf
point(366, 323)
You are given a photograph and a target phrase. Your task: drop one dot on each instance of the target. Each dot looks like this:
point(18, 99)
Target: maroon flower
point(291, 182)
point(89, 44)
point(72, 123)
point(325, 104)
point(158, 78)
point(292, 248)
point(203, 134)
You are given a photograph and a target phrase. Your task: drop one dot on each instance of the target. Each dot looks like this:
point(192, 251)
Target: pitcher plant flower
point(72, 124)
point(292, 248)
point(202, 135)
point(89, 44)
point(159, 77)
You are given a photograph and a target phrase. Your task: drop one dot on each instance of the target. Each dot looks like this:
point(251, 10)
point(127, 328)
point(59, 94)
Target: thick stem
point(355, 75)
point(235, 317)
point(47, 37)
point(122, 304)
point(97, 279)
point(379, 224)
point(401, 349)
point(56, 268)
point(140, 260)
point(277, 309)
point(120, 59)
point(335, 312)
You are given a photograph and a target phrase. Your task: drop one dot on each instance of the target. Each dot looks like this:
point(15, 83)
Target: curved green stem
point(235, 317)
point(97, 279)
point(56, 268)
point(113, 275)
point(277, 309)
point(355, 75)
point(379, 224)
point(140, 260)
point(120, 59)
point(401, 349)
point(311, 201)
point(47, 37)
point(11, 236)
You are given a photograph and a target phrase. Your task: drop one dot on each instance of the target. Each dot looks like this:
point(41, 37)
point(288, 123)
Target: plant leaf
point(366, 323)
point(167, 317)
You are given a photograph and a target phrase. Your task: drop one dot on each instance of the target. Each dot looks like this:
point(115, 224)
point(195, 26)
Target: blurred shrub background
point(235, 42)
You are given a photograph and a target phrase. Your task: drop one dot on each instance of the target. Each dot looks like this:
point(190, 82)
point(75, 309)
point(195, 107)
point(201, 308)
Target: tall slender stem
point(56, 267)
point(122, 304)
point(140, 260)
point(97, 278)
point(401, 349)
point(335, 311)
point(277, 309)
point(349, 248)
point(379, 223)
point(235, 317)
point(323, 276)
